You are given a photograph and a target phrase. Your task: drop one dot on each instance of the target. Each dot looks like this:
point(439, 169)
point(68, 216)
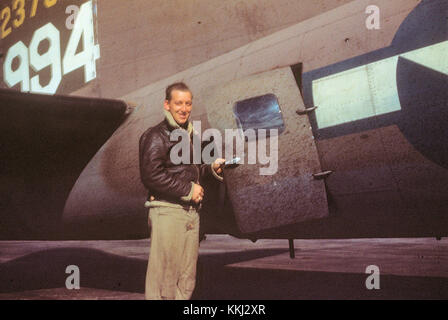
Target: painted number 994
point(30, 57)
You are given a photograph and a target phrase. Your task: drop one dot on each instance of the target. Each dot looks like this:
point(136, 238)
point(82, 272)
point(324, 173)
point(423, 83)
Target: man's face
point(179, 106)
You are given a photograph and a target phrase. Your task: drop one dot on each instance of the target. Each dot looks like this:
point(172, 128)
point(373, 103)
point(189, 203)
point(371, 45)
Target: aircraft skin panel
point(161, 38)
point(296, 44)
point(112, 179)
point(289, 193)
point(358, 163)
point(385, 135)
point(381, 161)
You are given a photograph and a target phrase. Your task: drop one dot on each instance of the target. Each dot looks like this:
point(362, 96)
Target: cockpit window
point(262, 112)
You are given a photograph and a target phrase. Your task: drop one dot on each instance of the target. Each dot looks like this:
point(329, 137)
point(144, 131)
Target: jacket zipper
point(195, 165)
point(199, 173)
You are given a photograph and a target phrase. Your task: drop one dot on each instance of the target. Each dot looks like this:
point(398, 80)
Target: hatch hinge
point(322, 175)
point(306, 110)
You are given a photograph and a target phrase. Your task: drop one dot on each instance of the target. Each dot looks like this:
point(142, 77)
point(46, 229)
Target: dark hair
point(176, 86)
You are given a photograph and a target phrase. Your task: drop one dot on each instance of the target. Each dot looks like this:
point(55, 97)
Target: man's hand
point(218, 164)
point(198, 193)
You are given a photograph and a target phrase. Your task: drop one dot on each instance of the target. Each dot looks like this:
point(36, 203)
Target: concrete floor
point(230, 268)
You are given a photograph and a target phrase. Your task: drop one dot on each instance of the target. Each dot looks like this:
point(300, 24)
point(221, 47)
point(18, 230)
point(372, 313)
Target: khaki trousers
point(173, 256)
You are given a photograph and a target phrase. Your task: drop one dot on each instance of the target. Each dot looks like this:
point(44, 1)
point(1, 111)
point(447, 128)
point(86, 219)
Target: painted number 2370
point(30, 57)
point(18, 10)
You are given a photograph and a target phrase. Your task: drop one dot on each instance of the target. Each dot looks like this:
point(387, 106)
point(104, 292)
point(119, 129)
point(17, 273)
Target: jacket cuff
point(218, 177)
point(187, 198)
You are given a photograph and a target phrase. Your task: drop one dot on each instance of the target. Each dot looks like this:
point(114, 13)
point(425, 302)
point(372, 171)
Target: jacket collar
point(174, 125)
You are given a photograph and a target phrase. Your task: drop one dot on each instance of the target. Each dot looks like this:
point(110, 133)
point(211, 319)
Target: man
point(175, 196)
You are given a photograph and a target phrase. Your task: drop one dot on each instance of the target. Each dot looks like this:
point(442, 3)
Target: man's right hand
point(198, 193)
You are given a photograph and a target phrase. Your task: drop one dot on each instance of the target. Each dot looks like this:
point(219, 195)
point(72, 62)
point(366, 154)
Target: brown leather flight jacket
point(165, 180)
